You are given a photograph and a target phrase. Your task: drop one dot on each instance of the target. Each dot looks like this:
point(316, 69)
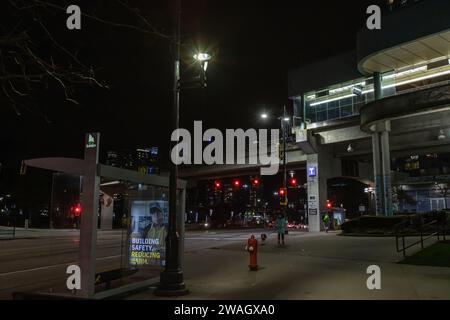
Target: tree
point(34, 58)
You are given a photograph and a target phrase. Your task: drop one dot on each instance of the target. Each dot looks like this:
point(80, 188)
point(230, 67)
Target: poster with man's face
point(149, 222)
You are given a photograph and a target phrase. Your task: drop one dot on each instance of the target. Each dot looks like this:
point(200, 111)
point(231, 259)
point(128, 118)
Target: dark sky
point(254, 44)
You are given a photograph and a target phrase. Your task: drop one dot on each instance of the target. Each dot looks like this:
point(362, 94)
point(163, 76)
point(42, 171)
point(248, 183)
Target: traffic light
point(256, 182)
point(293, 182)
point(217, 184)
point(76, 209)
point(283, 196)
point(236, 183)
point(329, 204)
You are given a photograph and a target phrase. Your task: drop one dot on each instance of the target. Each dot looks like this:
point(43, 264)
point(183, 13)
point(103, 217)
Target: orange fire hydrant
point(252, 248)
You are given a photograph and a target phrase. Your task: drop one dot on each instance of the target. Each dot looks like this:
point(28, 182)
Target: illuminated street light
point(368, 190)
point(202, 57)
point(264, 116)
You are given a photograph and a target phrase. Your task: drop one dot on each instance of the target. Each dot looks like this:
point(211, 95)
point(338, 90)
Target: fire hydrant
point(252, 248)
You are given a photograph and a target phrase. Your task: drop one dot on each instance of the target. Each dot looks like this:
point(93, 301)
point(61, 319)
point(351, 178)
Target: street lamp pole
point(283, 127)
point(171, 279)
point(283, 123)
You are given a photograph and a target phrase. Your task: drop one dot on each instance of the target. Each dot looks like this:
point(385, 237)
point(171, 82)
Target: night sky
point(254, 44)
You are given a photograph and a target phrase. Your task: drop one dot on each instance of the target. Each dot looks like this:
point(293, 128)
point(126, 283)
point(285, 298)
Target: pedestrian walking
point(326, 221)
point(281, 228)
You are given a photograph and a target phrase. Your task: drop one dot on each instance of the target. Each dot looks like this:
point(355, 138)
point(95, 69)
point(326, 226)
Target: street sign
point(312, 171)
point(91, 141)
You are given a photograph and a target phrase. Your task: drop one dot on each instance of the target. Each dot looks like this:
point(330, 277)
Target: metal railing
point(400, 234)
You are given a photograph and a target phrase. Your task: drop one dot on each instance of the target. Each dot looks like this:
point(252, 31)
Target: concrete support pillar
point(386, 172)
point(321, 166)
point(313, 193)
point(377, 174)
point(382, 169)
point(381, 158)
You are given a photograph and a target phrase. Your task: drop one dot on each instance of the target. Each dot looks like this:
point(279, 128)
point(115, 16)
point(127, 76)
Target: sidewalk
point(311, 266)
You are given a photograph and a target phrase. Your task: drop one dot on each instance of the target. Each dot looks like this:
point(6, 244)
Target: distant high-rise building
point(112, 159)
point(145, 160)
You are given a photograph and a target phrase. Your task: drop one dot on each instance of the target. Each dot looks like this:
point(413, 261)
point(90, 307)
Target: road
point(310, 266)
point(38, 258)
point(41, 262)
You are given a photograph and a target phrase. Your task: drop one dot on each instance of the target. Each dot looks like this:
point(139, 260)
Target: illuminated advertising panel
point(149, 222)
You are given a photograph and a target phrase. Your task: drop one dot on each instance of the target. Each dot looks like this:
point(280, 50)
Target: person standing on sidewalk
point(281, 228)
point(326, 221)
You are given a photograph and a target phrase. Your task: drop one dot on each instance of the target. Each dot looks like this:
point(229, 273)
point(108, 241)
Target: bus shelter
point(110, 261)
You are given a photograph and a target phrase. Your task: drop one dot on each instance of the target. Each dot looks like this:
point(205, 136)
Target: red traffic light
point(329, 204)
point(283, 196)
point(237, 183)
point(293, 182)
point(256, 182)
point(218, 184)
point(77, 210)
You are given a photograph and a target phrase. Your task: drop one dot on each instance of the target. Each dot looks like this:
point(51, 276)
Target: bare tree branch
point(28, 67)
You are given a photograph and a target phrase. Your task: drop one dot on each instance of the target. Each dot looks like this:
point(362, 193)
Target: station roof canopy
point(408, 54)
point(407, 37)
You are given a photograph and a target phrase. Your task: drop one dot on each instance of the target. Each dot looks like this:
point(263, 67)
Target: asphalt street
point(310, 266)
point(38, 259)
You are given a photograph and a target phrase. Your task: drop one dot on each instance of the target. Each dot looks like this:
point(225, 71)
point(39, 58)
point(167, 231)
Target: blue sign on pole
point(312, 171)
